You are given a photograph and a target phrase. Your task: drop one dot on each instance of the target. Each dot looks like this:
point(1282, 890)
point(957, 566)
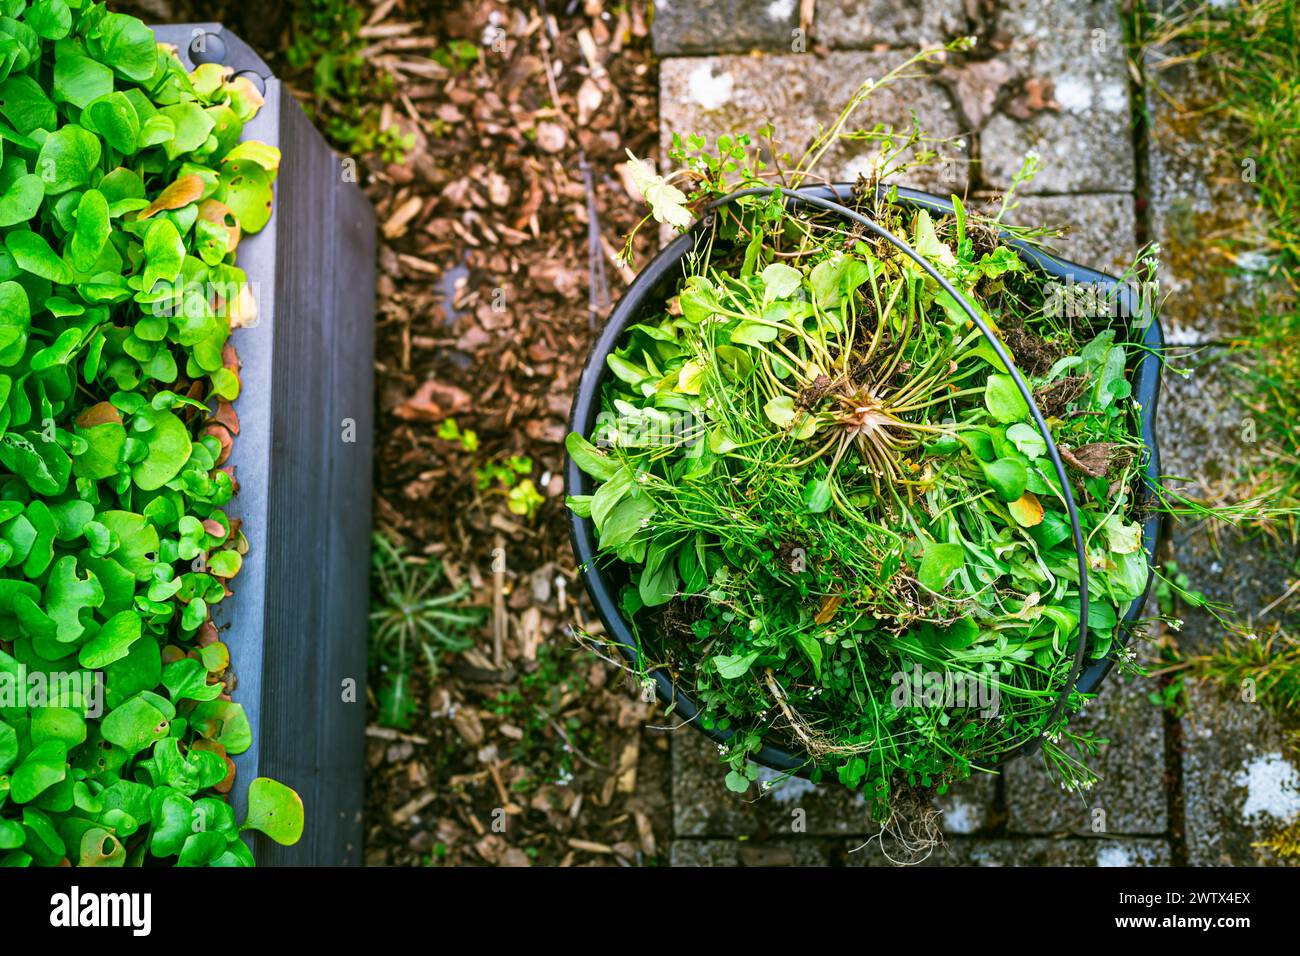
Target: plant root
point(912, 831)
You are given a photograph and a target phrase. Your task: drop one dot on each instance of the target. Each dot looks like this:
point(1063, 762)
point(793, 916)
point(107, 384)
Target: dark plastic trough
point(297, 624)
point(648, 289)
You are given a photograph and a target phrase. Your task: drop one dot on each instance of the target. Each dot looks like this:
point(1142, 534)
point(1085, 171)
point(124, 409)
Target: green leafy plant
point(412, 610)
point(325, 37)
point(448, 430)
point(837, 513)
point(124, 191)
point(522, 496)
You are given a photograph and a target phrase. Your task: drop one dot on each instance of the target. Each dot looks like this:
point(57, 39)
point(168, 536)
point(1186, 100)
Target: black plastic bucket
point(649, 288)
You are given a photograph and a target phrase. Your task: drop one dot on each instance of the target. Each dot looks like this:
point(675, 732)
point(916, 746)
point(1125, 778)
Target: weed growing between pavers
point(842, 529)
point(124, 192)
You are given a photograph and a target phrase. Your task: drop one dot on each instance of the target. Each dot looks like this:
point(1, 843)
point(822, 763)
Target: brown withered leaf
point(184, 191)
point(230, 358)
point(976, 87)
point(207, 634)
point(99, 414)
point(829, 607)
point(1036, 95)
point(226, 415)
point(433, 401)
point(1093, 460)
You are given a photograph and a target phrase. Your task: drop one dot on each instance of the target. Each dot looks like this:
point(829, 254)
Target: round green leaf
point(168, 444)
point(275, 810)
point(67, 159)
point(246, 189)
point(113, 642)
point(21, 200)
point(1007, 477)
point(46, 765)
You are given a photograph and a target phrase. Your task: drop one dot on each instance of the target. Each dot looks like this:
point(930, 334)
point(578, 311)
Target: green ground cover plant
point(125, 189)
point(412, 609)
point(834, 510)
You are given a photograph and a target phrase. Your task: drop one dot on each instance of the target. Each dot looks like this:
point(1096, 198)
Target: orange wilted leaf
point(226, 415)
point(1027, 510)
point(243, 85)
point(218, 213)
point(828, 609)
point(184, 191)
point(99, 414)
point(230, 358)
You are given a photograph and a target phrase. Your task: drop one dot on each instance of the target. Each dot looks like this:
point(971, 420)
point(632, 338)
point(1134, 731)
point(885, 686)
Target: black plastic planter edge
point(297, 625)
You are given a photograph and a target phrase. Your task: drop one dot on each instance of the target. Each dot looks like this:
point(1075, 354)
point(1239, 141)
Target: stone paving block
point(810, 851)
point(799, 92)
point(1098, 229)
point(1198, 193)
point(852, 24)
point(1238, 568)
point(1201, 426)
point(1086, 144)
point(787, 852)
point(969, 806)
point(1241, 778)
point(723, 26)
point(1130, 797)
point(1068, 852)
point(703, 806)
point(1206, 437)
